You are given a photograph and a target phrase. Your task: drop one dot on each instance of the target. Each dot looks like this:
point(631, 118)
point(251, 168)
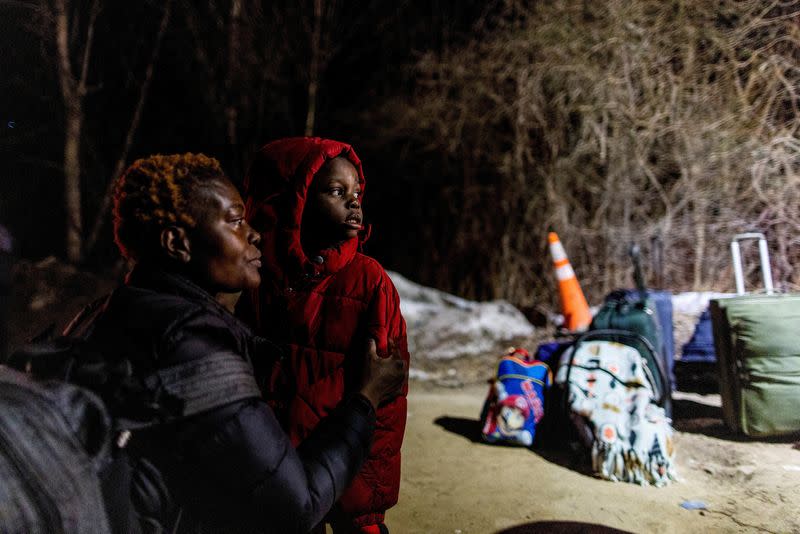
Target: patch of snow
point(695, 302)
point(557, 320)
point(443, 326)
point(419, 374)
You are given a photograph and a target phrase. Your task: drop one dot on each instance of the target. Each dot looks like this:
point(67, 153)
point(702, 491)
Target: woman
point(174, 354)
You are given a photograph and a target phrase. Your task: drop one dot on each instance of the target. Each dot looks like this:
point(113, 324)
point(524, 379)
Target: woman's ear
point(176, 244)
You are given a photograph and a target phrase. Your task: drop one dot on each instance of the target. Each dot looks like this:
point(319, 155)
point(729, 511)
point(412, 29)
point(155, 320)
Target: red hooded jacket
point(323, 308)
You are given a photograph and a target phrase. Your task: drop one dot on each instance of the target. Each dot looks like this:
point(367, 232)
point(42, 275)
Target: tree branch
point(87, 50)
point(62, 47)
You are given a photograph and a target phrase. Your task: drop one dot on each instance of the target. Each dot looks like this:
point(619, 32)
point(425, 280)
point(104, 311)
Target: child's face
point(333, 209)
point(224, 247)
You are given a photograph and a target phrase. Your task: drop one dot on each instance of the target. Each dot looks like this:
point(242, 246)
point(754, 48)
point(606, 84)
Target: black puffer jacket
point(220, 452)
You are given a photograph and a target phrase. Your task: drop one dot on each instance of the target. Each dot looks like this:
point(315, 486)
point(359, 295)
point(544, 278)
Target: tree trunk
point(72, 135)
point(699, 221)
point(72, 93)
point(72, 182)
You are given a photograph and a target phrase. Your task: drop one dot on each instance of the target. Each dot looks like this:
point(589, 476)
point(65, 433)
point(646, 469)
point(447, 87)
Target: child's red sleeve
point(376, 487)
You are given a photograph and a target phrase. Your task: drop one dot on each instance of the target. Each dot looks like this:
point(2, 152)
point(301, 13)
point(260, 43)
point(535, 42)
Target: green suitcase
point(757, 341)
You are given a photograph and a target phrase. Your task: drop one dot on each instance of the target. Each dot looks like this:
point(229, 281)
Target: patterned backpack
point(516, 400)
point(612, 401)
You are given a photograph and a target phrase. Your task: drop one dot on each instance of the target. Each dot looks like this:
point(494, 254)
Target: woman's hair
point(157, 192)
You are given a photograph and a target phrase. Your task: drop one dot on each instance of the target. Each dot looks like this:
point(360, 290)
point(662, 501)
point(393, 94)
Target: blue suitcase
point(696, 370)
point(700, 348)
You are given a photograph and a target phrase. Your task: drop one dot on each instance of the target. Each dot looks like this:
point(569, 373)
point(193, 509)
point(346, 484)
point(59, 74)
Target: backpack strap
point(207, 383)
point(49, 357)
point(82, 325)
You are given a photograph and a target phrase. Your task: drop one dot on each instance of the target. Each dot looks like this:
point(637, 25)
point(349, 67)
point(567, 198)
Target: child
point(174, 353)
point(322, 299)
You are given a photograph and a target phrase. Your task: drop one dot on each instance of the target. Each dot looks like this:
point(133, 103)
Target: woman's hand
point(383, 378)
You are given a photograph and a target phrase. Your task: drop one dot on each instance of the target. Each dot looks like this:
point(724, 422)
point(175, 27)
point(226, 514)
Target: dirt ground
point(454, 483)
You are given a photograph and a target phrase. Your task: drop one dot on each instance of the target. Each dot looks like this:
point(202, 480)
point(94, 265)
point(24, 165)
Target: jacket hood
point(275, 190)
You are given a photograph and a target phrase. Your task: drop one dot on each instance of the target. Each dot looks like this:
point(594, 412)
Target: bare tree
point(240, 56)
point(612, 122)
point(65, 24)
point(329, 28)
point(257, 54)
point(73, 92)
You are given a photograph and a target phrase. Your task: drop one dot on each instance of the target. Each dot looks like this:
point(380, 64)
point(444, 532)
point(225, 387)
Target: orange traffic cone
point(573, 304)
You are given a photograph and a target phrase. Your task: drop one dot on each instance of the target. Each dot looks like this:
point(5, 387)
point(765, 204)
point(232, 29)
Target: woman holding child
point(220, 458)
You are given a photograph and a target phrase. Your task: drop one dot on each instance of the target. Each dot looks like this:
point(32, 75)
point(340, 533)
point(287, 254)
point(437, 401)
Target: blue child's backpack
point(516, 400)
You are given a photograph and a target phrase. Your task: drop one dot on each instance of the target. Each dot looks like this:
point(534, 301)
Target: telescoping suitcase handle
point(766, 271)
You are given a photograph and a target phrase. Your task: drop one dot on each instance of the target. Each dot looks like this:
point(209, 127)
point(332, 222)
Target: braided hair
point(157, 192)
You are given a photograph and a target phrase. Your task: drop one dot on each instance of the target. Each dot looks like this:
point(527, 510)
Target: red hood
point(275, 190)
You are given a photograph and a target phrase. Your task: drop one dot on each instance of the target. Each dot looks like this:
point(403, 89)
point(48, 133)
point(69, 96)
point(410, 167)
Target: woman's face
point(224, 248)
